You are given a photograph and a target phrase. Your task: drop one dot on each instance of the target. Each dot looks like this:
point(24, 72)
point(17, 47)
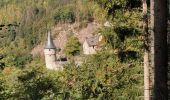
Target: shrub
point(65, 15)
point(72, 47)
point(111, 39)
point(34, 83)
point(21, 61)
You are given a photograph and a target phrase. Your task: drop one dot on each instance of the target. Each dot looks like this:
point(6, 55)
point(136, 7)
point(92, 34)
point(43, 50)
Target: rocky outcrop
point(60, 34)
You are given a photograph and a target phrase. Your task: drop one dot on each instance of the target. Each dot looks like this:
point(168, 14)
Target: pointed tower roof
point(49, 44)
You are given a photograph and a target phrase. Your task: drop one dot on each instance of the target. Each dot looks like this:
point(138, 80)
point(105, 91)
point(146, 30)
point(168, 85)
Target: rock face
point(60, 34)
point(38, 50)
point(61, 41)
point(87, 32)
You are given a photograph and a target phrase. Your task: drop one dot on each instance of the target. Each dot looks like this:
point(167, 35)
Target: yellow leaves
point(127, 14)
point(140, 37)
point(2, 51)
point(99, 74)
point(8, 70)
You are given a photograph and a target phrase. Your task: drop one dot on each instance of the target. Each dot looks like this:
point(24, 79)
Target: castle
point(54, 62)
point(50, 55)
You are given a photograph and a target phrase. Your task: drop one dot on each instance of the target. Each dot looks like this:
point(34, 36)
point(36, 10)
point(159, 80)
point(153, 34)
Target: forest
point(116, 72)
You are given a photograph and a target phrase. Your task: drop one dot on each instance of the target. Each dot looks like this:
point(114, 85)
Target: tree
point(146, 52)
point(72, 47)
point(65, 15)
point(33, 83)
point(159, 48)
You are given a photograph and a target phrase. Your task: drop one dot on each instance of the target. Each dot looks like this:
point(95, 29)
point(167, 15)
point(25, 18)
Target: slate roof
point(92, 41)
point(49, 44)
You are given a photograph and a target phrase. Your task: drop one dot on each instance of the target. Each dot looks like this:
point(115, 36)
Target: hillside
point(115, 72)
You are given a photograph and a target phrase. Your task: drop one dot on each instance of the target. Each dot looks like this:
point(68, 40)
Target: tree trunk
point(168, 38)
point(146, 52)
point(159, 33)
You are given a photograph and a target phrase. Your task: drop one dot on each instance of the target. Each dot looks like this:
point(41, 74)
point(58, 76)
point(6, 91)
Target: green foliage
point(104, 77)
point(32, 83)
point(2, 94)
point(21, 61)
point(7, 34)
point(35, 85)
point(111, 39)
point(113, 73)
point(113, 5)
point(64, 15)
point(72, 46)
point(14, 60)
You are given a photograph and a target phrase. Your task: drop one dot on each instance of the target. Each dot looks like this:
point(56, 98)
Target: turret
point(50, 53)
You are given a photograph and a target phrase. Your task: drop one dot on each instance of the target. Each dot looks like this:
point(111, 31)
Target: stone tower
point(50, 53)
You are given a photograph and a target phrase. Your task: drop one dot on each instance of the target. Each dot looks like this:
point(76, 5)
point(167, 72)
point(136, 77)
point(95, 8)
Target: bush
point(111, 39)
point(2, 94)
point(65, 15)
point(125, 32)
point(34, 83)
point(17, 61)
point(72, 47)
point(21, 61)
point(103, 77)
